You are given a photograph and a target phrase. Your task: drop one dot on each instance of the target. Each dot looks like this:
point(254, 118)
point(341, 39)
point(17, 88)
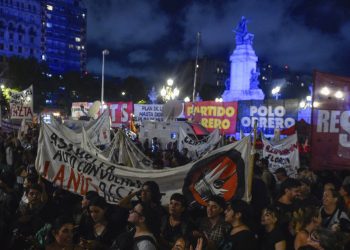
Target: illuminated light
point(339, 94)
point(2, 86)
point(123, 93)
point(49, 7)
point(276, 90)
point(77, 39)
point(218, 99)
point(170, 82)
point(28, 99)
point(316, 104)
point(83, 15)
point(197, 66)
point(163, 92)
point(176, 92)
point(82, 47)
point(78, 47)
point(49, 25)
point(308, 98)
point(187, 99)
point(302, 104)
point(43, 57)
point(56, 114)
point(302, 84)
point(325, 91)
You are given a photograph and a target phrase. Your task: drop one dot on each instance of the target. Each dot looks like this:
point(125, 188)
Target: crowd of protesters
point(310, 211)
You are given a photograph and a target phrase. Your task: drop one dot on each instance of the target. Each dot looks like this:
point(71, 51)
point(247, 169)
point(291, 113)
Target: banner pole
point(251, 164)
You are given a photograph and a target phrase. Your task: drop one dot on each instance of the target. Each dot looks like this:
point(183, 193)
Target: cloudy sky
point(147, 38)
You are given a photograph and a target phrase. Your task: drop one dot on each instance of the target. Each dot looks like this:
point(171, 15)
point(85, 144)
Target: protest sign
point(146, 112)
point(214, 115)
point(70, 167)
point(330, 141)
point(21, 104)
point(269, 114)
point(282, 154)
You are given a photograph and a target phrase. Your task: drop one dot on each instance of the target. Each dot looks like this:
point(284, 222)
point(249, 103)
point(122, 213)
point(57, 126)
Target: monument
point(243, 83)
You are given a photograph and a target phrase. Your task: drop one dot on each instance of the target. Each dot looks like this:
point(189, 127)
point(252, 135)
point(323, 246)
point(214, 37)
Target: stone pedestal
point(244, 75)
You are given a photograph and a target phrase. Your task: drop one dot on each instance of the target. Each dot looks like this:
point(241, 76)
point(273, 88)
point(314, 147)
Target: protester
point(213, 226)
point(61, 235)
point(176, 223)
point(333, 216)
point(273, 238)
point(344, 191)
point(240, 237)
point(305, 221)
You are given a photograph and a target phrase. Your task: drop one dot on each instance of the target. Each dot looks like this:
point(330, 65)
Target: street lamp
point(104, 53)
point(168, 92)
point(276, 92)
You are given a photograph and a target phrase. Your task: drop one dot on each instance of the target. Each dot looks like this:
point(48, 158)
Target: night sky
point(149, 38)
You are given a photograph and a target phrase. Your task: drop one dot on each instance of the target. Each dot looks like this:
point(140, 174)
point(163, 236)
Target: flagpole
point(251, 164)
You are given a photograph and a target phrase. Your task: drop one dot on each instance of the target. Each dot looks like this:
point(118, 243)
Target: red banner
point(212, 115)
point(330, 145)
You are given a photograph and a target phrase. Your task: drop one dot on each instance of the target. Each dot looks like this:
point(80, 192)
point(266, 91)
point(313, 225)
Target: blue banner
point(269, 114)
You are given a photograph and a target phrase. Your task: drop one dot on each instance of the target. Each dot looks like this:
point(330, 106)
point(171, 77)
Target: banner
point(197, 148)
point(330, 141)
point(21, 104)
point(97, 130)
point(282, 154)
point(120, 112)
point(269, 114)
point(146, 112)
point(212, 115)
point(70, 167)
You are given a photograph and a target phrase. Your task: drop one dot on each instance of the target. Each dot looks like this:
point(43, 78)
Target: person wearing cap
point(213, 226)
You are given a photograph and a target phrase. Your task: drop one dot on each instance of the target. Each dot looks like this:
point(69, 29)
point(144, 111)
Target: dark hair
point(90, 195)
point(304, 216)
point(34, 186)
point(346, 188)
point(242, 207)
point(152, 219)
point(156, 196)
point(340, 200)
point(218, 200)
point(180, 198)
point(264, 162)
point(274, 211)
point(99, 202)
point(330, 240)
point(56, 226)
point(281, 171)
point(289, 184)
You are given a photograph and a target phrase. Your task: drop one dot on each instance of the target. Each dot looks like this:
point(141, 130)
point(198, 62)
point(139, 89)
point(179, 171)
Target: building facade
point(52, 31)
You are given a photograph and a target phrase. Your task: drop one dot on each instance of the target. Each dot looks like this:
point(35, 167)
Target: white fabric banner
point(97, 130)
point(21, 103)
point(282, 154)
point(197, 148)
point(146, 112)
point(69, 166)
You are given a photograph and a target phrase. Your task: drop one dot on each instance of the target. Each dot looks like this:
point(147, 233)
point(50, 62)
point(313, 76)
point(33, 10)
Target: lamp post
point(168, 93)
point(276, 92)
point(104, 53)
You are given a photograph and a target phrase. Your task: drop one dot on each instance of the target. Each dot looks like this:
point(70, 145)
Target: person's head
point(150, 192)
point(30, 179)
point(264, 163)
point(329, 186)
point(290, 188)
point(331, 198)
point(301, 172)
point(90, 195)
point(177, 205)
point(98, 209)
point(309, 216)
point(33, 193)
point(62, 231)
point(305, 187)
point(324, 239)
point(281, 174)
point(216, 206)
point(269, 217)
point(181, 243)
point(142, 215)
point(344, 190)
point(238, 211)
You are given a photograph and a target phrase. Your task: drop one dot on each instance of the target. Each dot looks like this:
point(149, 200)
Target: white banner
point(146, 112)
point(197, 148)
point(21, 103)
point(282, 154)
point(70, 167)
point(97, 130)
